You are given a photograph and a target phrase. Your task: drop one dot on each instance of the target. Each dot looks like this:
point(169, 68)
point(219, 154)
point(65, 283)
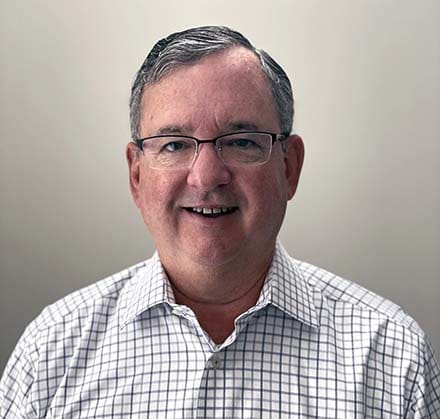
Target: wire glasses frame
point(243, 148)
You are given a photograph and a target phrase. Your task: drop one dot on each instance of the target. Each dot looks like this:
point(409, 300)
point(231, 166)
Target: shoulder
point(64, 330)
point(344, 295)
point(376, 337)
point(96, 305)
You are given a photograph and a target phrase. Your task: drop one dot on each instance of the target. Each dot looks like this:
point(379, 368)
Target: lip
point(202, 216)
point(209, 205)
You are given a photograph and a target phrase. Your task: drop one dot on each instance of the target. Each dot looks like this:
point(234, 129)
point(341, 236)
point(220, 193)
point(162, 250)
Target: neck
point(217, 317)
point(218, 295)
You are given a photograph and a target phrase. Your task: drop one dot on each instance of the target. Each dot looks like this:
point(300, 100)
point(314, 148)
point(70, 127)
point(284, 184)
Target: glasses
point(243, 148)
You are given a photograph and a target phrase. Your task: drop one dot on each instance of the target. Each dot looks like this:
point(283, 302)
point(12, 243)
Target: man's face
point(222, 93)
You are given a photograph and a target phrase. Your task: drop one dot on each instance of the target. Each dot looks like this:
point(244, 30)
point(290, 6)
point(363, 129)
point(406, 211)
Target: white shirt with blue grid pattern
point(314, 346)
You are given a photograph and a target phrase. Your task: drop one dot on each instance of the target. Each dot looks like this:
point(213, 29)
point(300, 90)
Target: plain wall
point(367, 87)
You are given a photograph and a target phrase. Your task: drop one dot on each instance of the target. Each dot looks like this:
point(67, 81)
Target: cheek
point(159, 192)
point(267, 197)
point(275, 183)
point(155, 196)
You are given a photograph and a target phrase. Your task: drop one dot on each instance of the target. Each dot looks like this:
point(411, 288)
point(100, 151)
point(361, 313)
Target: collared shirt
point(314, 346)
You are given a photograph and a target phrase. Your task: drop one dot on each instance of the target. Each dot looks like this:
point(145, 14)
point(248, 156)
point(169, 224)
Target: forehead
point(217, 91)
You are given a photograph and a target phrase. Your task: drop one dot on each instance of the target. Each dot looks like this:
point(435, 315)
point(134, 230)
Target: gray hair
point(191, 45)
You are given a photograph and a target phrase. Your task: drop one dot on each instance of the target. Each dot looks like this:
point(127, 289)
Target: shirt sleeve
point(427, 394)
point(16, 382)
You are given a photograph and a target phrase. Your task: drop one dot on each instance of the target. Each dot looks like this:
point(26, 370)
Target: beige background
point(367, 86)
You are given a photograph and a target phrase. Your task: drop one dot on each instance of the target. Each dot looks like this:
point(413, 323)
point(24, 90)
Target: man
point(220, 322)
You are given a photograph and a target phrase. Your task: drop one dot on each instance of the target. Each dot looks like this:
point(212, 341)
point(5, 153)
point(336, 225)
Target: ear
point(132, 155)
point(293, 158)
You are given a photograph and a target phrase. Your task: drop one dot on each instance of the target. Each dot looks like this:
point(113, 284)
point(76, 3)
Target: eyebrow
point(172, 129)
point(242, 126)
point(230, 127)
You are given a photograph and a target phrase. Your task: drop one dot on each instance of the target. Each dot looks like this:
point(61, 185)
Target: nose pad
point(213, 151)
point(208, 169)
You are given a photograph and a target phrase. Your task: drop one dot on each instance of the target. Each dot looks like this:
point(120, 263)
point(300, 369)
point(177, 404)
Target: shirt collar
point(285, 287)
point(149, 287)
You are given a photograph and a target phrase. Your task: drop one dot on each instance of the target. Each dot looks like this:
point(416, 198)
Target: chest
point(274, 367)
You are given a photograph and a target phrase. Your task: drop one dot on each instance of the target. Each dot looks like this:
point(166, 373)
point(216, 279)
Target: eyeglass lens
point(233, 149)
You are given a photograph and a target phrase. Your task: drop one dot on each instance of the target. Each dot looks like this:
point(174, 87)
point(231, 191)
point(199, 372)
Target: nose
point(208, 170)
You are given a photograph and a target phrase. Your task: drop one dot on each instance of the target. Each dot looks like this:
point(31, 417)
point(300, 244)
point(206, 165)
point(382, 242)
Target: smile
point(212, 212)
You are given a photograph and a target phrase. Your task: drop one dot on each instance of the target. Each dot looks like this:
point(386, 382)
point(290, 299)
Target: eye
point(242, 143)
point(174, 146)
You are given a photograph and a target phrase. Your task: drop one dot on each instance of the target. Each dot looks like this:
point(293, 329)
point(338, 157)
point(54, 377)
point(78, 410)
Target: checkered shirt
point(314, 346)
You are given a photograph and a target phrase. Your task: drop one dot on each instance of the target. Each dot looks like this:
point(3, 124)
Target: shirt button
point(215, 362)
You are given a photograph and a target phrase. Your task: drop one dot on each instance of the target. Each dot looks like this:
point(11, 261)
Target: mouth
point(211, 212)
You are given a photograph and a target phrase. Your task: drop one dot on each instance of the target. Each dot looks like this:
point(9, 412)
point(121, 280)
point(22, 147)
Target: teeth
point(210, 211)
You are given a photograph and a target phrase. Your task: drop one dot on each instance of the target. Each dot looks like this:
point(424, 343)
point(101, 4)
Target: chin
point(212, 253)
